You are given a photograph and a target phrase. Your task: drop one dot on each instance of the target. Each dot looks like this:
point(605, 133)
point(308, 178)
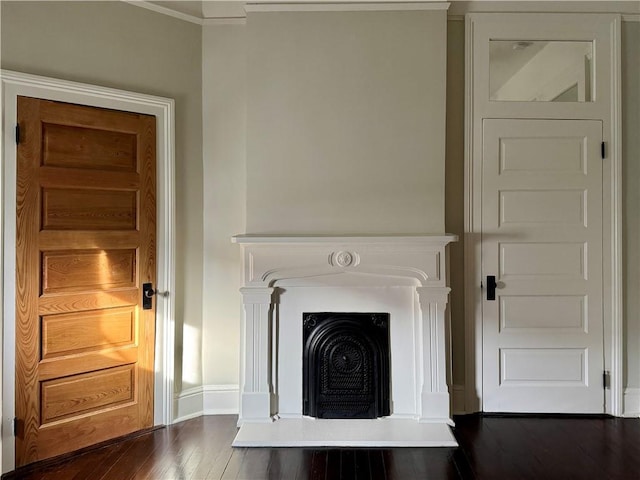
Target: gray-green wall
point(631, 198)
point(118, 45)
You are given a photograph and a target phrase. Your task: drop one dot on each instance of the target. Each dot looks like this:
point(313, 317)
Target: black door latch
point(491, 287)
point(147, 296)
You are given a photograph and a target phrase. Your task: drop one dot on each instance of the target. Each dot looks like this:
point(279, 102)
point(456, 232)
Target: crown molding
point(233, 12)
point(251, 7)
point(165, 11)
point(225, 21)
point(626, 8)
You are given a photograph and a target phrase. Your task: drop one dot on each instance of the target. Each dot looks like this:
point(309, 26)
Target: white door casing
point(542, 240)
point(603, 30)
point(19, 84)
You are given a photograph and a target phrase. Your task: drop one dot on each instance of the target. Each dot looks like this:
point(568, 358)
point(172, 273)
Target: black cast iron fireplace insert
point(346, 361)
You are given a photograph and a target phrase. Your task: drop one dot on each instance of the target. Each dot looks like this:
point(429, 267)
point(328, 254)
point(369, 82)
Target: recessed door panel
point(81, 332)
point(87, 393)
point(557, 313)
point(72, 146)
point(76, 209)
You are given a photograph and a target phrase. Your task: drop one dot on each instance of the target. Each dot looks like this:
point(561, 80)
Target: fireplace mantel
point(272, 258)
point(418, 262)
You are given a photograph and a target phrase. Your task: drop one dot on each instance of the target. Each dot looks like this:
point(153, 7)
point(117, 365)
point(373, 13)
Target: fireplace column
point(434, 398)
point(257, 403)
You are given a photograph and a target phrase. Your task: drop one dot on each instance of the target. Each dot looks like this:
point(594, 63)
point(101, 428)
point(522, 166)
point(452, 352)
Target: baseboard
point(458, 396)
point(631, 402)
point(225, 400)
point(207, 400)
point(188, 404)
point(221, 399)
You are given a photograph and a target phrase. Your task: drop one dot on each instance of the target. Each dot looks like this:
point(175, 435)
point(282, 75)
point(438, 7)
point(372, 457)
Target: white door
point(542, 241)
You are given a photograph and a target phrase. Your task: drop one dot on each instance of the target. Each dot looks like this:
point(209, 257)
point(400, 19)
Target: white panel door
point(542, 241)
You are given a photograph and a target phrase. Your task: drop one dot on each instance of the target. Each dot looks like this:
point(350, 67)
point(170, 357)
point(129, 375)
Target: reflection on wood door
point(85, 244)
point(542, 240)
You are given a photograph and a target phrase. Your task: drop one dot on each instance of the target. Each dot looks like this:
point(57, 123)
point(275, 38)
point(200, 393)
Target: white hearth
point(286, 276)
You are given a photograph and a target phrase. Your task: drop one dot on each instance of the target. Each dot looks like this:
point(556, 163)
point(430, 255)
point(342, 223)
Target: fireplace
point(345, 365)
point(307, 365)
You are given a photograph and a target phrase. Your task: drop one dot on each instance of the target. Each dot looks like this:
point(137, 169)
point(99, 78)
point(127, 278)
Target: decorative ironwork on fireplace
point(346, 365)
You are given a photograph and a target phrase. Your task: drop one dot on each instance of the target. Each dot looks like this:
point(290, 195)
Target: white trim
point(16, 84)
point(207, 400)
point(208, 22)
point(344, 6)
point(188, 404)
point(221, 399)
point(165, 11)
point(631, 403)
point(250, 239)
point(457, 9)
point(612, 292)
point(630, 8)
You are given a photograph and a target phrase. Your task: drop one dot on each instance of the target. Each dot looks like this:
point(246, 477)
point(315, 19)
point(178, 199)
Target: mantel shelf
point(279, 239)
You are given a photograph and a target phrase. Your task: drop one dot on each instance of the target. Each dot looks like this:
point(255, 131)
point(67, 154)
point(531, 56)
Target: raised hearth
point(288, 276)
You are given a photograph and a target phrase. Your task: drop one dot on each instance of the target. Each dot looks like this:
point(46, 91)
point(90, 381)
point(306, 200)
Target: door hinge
point(17, 134)
point(606, 379)
point(603, 150)
point(15, 426)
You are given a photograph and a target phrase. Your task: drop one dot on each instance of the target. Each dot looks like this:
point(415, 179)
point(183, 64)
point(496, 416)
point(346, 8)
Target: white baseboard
point(221, 399)
point(225, 400)
point(458, 395)
point(207, 400)
point(188, 404)
point(631, 402)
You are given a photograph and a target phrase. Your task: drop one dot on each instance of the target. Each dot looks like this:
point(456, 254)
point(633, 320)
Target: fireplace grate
point(346, 365)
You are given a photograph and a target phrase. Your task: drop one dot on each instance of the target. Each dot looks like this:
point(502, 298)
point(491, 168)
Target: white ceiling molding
point(232, 12)
point(545, 6)
point(343, 6)
point(165, 11)
point(225, 21)
point(221, 9)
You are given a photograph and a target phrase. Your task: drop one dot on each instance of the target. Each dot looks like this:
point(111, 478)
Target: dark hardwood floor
point(490, 448)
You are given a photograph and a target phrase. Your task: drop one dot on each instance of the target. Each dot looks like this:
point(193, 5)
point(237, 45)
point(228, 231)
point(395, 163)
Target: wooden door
point(542, 241)
point(85, 245)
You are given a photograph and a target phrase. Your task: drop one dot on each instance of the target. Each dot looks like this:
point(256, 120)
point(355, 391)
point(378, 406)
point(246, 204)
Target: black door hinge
point(603, 150)
point(17, 134)
point(15, 426)
point(606, 379)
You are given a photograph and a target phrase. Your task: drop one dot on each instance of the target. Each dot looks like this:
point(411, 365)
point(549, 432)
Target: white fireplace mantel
point(416, 261)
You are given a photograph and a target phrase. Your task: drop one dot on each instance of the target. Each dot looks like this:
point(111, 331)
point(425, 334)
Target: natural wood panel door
point(85, 245)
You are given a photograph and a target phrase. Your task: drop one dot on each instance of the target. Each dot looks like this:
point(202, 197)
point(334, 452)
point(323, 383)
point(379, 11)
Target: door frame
point(603, 29)
point(16, 84)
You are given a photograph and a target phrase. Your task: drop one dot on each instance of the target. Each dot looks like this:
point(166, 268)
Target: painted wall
point(227, 41)
point(346, 122)
point(224, 209)
point(454, 191)
point(631, 198)
point(117, 45)
point(203, 69)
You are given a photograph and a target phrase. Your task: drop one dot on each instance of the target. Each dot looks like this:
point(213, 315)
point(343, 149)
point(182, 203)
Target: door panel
point(85, 244)
point(542, 239)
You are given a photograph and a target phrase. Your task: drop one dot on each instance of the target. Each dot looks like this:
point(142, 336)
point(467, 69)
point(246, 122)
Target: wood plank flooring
point(490, 448)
